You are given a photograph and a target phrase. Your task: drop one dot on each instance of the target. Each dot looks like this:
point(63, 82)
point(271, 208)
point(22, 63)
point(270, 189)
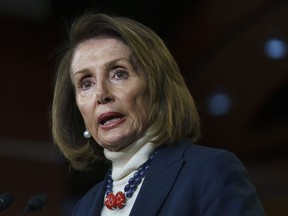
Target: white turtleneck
point(124, 164)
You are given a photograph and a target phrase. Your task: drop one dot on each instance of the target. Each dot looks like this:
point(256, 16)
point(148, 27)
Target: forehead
point(98, 49)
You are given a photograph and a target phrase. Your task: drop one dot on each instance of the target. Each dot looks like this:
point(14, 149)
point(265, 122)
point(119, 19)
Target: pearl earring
point(87, 134)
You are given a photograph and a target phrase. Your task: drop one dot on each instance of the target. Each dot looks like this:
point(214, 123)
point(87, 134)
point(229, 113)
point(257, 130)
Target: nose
point(103, 94)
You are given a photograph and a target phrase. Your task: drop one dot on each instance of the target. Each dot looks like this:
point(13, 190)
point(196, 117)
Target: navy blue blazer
point(187, 180)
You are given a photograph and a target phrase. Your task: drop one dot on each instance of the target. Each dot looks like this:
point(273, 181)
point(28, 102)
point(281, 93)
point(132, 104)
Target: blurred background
point(232, 53)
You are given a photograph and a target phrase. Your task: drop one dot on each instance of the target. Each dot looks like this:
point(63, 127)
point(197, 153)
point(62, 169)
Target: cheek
point(140, 107)
point(85, 109)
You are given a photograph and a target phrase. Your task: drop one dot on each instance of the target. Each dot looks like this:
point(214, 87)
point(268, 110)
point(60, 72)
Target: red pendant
point(120, 200)
point(110, 201)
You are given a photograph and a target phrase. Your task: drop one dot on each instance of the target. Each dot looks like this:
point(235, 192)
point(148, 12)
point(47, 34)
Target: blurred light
point(275, 48)
point(219, 104)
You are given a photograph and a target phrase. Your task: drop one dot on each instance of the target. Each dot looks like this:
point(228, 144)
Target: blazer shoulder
point(204, 154)
point(212, 171)
point(206, 160)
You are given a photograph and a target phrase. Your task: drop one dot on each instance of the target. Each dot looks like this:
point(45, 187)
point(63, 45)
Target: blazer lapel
point(98, 202)
point(160, 178)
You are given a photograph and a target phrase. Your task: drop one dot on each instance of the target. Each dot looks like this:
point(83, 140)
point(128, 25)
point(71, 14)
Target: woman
point(119, 84)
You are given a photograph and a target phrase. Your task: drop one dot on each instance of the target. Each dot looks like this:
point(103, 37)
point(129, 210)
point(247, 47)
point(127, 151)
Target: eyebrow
point(77, 73)
point(109, 64)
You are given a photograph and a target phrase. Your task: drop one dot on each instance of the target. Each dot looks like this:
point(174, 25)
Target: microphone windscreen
point(36, 202)
point(5, 200)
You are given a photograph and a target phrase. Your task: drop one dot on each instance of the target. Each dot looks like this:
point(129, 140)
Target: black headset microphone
point(36, 202)
point(5, 200)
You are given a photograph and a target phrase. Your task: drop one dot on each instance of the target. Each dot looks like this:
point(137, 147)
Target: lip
point(110, 120)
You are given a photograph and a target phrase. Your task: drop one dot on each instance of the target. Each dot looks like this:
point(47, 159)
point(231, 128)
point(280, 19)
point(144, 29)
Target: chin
point(115, 140)
point(113, 148)
point(112, 145)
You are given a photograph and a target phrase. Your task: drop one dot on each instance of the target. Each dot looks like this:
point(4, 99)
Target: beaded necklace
point(119, 200)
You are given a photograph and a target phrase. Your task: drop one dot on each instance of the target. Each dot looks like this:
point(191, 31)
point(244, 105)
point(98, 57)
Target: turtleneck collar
point(131, 157)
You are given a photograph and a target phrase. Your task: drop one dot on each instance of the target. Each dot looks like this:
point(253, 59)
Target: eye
point(120, 75)
point(86, 84)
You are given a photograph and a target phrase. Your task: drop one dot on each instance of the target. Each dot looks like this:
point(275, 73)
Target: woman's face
point(111, 93)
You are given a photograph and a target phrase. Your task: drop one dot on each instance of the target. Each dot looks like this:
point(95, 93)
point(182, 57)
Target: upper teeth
point(110, 121)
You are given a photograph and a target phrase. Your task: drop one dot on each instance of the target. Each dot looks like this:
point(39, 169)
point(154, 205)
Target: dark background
point(220, 48)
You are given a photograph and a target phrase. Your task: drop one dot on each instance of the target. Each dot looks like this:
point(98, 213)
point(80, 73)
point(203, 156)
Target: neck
point(130, 158)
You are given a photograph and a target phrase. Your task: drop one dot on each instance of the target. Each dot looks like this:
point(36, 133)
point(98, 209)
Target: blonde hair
point(173, 112)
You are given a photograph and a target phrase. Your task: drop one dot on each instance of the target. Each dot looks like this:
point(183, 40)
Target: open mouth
point(110, 118)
